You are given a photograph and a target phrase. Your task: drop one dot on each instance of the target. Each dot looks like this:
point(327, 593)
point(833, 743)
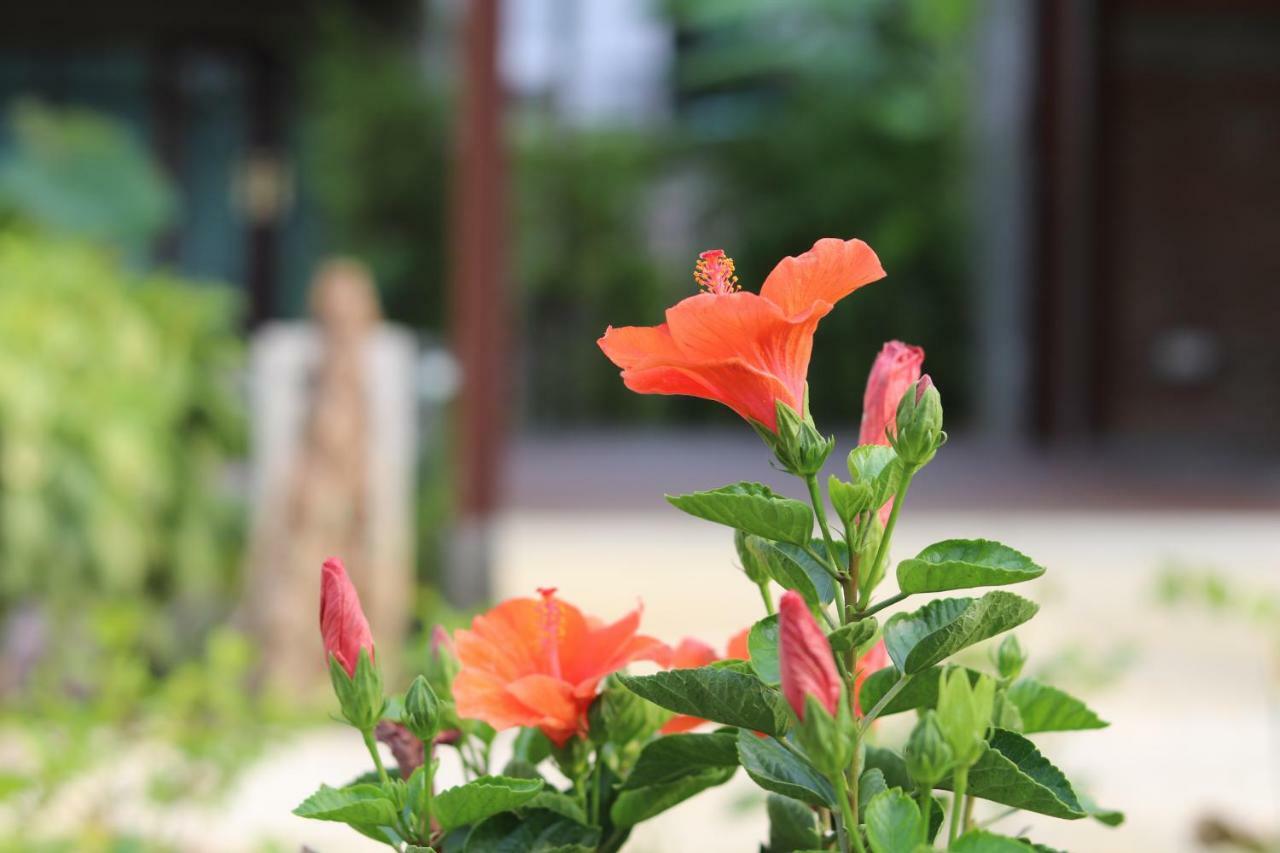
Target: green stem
point(848, 819)
point(767, 596)
point(957, 804)
point(817, 558)
point(883, 551)
point(372, 745)
point(968, 811)
point(820, 510)
point(870, 716)
point(881, 605)
point(926, 809)
point(428, 790)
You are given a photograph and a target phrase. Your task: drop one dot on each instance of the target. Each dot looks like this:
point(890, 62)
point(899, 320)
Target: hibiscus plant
point(795, 699)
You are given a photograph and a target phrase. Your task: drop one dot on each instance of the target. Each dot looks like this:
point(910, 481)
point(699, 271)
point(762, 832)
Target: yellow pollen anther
point(714, 272)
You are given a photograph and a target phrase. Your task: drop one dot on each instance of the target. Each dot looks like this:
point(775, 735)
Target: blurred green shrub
point(81, 173)
point(117, 419)
point(839, 118)
point(583, 263)
point(375, 148)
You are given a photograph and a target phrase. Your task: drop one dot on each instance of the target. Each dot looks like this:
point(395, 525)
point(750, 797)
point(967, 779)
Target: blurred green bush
point(851, 124)
point(117, 420)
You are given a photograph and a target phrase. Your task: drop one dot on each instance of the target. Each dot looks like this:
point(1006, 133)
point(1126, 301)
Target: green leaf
point(668, 758)
point(751, 507)
point(356, 804)
point(921, 691)
point(554, 801)
point(853, 635)
point(480, 798)
point(875, 466)
point(1048, 709)
point(536, 831)
point(981, 841)
point(965, 563)
point(890, 764)
point(775, 768)
point(894, 824)
point(670, 770)
point(922, 638)
point(792, 568)
point(637, 804)
point(792, 825)
point(1013, 772)
point(715, 693)
point(762, 643)
point(870, 784)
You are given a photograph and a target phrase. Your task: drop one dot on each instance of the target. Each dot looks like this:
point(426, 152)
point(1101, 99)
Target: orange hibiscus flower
point(745, 350)
point(693, 653)
point(539, 661)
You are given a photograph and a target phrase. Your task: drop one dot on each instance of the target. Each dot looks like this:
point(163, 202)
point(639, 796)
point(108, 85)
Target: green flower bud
point(827, 740)
point(797, 444)
point(421, 710)
point(1010, 658)
point(359, 694)
point(928, 756)
point(964, 713)
point(919, 433)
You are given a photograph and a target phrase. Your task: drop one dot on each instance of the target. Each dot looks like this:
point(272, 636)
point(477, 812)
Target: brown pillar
point(479, 318)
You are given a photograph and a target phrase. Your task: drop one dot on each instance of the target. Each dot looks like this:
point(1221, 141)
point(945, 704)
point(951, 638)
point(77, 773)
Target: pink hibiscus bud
point(804, 658)
point(440, 640)
point(895, 369)
point(342, 622)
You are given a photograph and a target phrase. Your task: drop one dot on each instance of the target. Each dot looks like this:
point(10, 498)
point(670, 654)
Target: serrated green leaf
point(792, 568)
point(633, 806)
point(1047, 709)
point(870, 783)
point(715, 693)
point(480, 798)
point(554, 801)
point(920, 692)
point(362, 804)
point(890, 764)
point(1013, 772)
point(853, 635)
point(775, 768)
point(670, 770)
point(751, 507)
point(876, 466)
point(981, 841)
point(762, 643)
point(894, 824)
point(793, 826)
point(536, 831)
point(965, 563)
point(924, 637)
point(668, 758)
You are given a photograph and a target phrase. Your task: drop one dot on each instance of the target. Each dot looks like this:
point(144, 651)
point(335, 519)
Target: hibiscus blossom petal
point(825, 274)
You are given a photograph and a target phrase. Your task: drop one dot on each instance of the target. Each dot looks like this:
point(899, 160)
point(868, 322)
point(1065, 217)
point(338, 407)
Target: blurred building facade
point(1125, 184)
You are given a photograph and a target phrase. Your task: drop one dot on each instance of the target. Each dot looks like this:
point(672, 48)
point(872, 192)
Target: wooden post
point(478, 312)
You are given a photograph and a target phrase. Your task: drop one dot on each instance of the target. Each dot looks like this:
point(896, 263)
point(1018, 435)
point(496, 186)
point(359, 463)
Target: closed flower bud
point(919, 424)
point(797, 444)
point(964, 713)
point(421, 710)
point(804, 658)
point(1010, 658)
point(928, 756)
point(348, 643)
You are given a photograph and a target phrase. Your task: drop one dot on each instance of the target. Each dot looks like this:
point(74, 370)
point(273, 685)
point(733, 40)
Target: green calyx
point(797, 444)
point(919, 424)
point(964, 713)
point(928, 755)
point(359, 695)
point(421, 710)
point(827, 740)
